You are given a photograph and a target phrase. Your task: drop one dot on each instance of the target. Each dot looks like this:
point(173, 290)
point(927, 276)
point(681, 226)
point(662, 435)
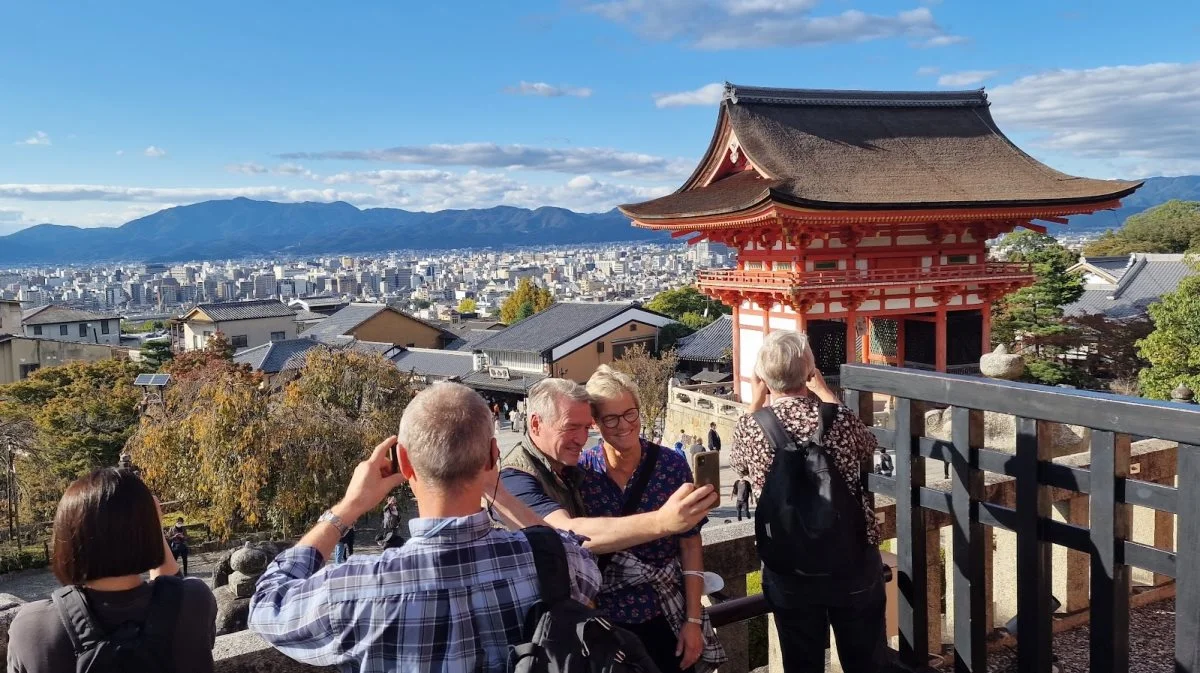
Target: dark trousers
point(660, 641)
point(181, 555)
point(743, 507)
point(804, 611)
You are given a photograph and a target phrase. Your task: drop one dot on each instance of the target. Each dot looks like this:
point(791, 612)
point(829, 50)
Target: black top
point(38, 642)
point(714, 440)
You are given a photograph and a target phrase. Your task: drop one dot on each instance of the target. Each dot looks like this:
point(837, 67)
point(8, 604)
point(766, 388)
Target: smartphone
point(394, 453)
point(706, 467)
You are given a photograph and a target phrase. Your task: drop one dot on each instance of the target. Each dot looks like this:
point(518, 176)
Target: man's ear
point(494, 463)
point(406, 467)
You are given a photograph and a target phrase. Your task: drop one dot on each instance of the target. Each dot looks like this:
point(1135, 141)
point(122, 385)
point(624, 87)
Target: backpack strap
point(550, 559)
point(163, 614)
point(776, 434)
point(633, 495)
point(77, 618)
point(827, 414)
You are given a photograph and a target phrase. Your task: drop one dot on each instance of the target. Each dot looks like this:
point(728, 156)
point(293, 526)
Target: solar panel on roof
point(143, 380)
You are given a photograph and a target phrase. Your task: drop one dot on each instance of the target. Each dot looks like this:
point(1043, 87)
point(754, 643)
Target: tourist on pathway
point(107, 533)
point(652, 589)
point(455, 596)
point(178, 542)
point(714, 438)
point(741, 494)
point(851, 598)
point(345, 546)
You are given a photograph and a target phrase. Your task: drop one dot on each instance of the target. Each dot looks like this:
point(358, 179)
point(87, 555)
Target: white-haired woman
point(653, 589)
point(805, 608)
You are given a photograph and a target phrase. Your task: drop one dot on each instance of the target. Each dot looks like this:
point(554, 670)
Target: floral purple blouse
point(602, 497)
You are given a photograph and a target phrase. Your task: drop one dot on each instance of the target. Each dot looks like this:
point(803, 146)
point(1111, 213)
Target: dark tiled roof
point(709, 376)
point(1147, 278)
point(276, 356)
point(712, 343)
point(246, 310)
point(520, 382)
point(447, 364)
point(557, 324)
point(308, 316)
point(468, 340)
point(47, 315)
point(870, 149)
point(345, 320)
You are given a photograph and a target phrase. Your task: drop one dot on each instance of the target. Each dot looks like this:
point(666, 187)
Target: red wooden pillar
point(866, 354)
point(851, 338)
point(986, 314)
point(940, 341)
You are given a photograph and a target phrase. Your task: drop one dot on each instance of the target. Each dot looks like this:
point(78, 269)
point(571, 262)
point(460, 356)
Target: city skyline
point(113, 115)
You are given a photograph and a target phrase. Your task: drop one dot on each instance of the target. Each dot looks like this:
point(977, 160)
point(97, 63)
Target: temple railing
point(1102, 534)
point(751, 280)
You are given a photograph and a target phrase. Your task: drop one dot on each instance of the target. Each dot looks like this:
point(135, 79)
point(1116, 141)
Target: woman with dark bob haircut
point(107, 533)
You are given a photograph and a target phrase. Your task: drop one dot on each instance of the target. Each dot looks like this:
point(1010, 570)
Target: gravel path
point(1151, 645)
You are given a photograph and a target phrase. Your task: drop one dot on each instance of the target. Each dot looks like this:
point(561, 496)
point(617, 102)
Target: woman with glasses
point(653, 589)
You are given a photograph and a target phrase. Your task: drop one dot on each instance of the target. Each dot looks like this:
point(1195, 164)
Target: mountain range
point(246, 228)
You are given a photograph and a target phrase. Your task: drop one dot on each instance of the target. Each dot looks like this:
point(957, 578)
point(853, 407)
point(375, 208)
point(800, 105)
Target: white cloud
point(573, 160)
point(246, 168)
point(1140, 118)
point(155, 152)
point(120, 153)
point(748, 24)
point(928, 71)
point(740, 7)
point(709, 94)
point(965, 78)
point(77, 192)
point(38, 138)
point(548, 90)
point(943, 41)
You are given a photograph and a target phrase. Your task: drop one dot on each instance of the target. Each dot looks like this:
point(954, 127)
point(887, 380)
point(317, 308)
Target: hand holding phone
point(706, 468)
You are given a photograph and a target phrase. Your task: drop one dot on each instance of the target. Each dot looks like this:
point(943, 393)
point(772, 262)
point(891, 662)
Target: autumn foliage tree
point(652, 373)
point(81, 413)
point(525, 301)
point(238, 453)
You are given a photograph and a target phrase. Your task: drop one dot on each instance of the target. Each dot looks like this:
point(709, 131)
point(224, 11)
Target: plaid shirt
point(451, 599)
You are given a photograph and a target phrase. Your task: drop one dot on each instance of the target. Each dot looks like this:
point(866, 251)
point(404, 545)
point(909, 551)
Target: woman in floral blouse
point(805, 608)
point(652, 589)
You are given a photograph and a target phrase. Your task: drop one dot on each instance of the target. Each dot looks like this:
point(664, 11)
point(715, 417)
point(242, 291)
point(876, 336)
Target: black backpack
point(563, 635)
point(807, 524)
point(132, 647)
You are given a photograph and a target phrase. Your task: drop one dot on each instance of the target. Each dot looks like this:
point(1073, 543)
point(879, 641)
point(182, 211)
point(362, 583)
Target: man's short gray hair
point(546, 396)
point(783, 361)
point(447, 431)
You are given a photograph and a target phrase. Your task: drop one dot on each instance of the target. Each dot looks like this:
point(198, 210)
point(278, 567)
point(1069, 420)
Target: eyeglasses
point(631, 416)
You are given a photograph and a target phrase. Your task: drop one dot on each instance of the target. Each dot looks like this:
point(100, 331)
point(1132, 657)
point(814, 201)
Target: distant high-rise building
point(265, 286)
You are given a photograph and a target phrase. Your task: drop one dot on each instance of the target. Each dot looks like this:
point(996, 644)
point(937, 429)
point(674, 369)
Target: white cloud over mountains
point(547, 90)
point(965, 78)
point(709, 94)
point(1139, 118)
point(751, 24)
point(38, 138)
point(573, 160)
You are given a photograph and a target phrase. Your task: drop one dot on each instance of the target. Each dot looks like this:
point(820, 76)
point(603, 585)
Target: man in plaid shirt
point(454, 597)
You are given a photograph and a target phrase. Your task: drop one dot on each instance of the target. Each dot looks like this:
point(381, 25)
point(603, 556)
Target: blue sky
point(109, 111)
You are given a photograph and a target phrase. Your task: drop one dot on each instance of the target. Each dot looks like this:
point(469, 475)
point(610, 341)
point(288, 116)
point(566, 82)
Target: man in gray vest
point(540, 471)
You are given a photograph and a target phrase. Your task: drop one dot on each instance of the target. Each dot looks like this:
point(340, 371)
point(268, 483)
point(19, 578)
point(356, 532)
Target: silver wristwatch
point(333, 520)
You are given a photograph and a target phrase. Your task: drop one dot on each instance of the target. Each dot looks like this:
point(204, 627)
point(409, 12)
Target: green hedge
point(12, 560)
